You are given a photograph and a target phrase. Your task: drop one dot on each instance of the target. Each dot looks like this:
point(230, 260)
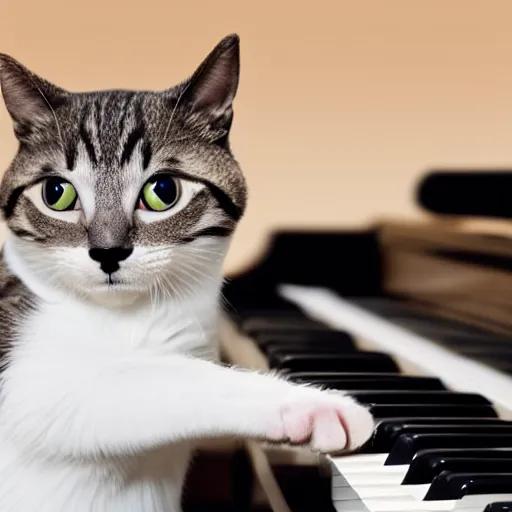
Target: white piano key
point(363, 458)
point(367, 466)
point(373, 469)
point(373, 479)
point(466, 504)
point(369, 469)
point(340, 506)
point(386, 474)
point(395, 504)
point(475, 503)
point(406, 504)
point(359, 472)
point(417, 492)
point(481, 500)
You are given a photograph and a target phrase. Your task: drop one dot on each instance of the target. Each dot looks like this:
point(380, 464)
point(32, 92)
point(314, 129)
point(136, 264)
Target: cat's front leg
point(93, 407)
point(239, 402)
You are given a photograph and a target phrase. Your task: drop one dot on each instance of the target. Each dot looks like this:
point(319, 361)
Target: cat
point(120, 207)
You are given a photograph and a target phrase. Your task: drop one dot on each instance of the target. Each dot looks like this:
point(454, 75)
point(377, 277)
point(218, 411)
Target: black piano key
point(384, 442)
point(425, 469)
point(256, 326)
point(498, 359)
point(357, 362)
point(419, 397)
point(474, 453)
point(282, 309)
point(271, 319)
point(274, 307)
point(485, 352)
point(276, 353)
point(431, 328)
point(455, 486)
point(448, 332)
point(264, 337)
point(381, 412)
point(478, 345)
point(398, 311)
point(499, 506)
point(387, 428)
point(408, 445)
point(423, 318)
point(316, 338)
point(500, 363)
point(388, 307)
point(367, 381)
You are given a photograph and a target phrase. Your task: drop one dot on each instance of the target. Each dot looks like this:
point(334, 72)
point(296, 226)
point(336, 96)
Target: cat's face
point(124, 192)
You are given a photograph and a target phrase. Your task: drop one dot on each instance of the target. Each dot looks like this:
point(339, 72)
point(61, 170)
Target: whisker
point(175, 108)
point(159, 249)
point(203, 335)
point(200, 250)
point(61, 139)
point(190, 275)
point(194, 269)
point(200, 272)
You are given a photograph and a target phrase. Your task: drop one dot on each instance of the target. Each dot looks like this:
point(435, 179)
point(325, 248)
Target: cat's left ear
point(213, 86)
point(29, 98)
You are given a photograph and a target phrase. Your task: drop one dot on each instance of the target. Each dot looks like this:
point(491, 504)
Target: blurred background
point(342, 105)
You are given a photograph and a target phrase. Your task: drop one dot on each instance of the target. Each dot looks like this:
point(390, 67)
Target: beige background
point(342, 104)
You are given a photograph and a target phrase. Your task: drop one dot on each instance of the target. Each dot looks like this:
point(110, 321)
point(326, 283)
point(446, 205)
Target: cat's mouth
point(113, 292)
point(115, 285)
point(112, 281)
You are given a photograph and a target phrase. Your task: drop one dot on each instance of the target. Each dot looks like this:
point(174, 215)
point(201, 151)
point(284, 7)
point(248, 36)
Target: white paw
point(329, 421)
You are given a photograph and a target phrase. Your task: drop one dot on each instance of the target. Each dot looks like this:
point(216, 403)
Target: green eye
point(160, 193)
point(59, 194)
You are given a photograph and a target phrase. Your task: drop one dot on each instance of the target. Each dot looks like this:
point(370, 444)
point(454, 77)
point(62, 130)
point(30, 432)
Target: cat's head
point(124, 192)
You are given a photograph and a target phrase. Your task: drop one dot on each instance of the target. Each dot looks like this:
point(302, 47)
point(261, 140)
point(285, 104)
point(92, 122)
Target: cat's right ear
point(29, 98)
point(213, 86)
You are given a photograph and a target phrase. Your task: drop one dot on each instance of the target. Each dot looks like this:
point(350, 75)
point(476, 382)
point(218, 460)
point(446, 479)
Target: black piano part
point(469, 194)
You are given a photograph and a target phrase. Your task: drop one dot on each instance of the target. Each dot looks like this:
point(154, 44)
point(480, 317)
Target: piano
point(414, 319)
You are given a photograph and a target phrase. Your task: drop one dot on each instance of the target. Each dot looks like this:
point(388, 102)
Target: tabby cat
point(120, 206)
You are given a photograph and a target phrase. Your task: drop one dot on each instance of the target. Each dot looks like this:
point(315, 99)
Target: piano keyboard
point(439, 390)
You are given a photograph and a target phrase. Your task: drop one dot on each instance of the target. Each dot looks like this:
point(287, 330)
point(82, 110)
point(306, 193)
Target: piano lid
point(476, 193)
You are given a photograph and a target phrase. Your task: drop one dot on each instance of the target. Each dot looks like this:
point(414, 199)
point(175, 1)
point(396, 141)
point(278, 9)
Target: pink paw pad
point(319, 425)
point(329, 424)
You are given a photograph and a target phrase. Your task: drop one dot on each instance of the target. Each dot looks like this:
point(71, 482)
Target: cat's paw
point(328, 421)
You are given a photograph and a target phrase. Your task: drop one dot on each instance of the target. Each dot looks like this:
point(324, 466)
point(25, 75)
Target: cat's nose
point(109, 258)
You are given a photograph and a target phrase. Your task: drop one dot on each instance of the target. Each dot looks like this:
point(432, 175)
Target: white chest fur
point(64, 345)
point(70, 327)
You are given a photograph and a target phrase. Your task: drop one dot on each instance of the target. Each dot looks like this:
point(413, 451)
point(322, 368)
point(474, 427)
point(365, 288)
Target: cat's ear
point(28, 97)
point(213, 86)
